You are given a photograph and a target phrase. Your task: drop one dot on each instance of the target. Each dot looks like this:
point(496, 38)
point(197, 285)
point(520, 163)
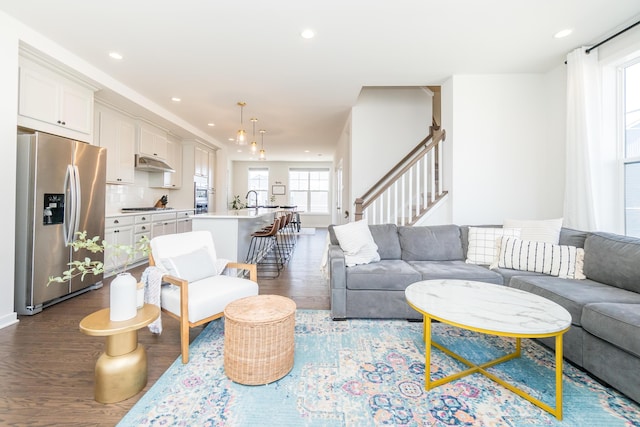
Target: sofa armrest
point(337, 282)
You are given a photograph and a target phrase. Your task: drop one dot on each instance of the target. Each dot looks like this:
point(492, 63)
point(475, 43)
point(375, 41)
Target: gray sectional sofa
point(604, 338)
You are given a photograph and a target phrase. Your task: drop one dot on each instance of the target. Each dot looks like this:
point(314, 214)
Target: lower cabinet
point(118, 231)
point(129, 229)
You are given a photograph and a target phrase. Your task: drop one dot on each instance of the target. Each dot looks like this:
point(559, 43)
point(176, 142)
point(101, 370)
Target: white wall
point(386, 124)
point(279, 172)
point(507, 155)
point(8, 123)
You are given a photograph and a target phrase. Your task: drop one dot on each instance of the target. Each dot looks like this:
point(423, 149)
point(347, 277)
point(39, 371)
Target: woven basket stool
point(258, 339)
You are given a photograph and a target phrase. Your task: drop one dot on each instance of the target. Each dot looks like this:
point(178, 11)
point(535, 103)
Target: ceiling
point(212, 54)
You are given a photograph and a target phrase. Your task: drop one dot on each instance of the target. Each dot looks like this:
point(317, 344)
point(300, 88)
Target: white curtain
point(583, 140)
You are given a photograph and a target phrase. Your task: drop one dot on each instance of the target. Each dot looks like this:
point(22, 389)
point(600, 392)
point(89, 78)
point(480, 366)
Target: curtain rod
point(611, 38)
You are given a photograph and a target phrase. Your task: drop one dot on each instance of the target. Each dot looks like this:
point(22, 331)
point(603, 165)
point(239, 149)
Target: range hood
point(151, 164)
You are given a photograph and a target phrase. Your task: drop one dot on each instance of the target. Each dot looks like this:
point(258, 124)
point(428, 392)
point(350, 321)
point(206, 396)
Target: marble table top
point(488, 307)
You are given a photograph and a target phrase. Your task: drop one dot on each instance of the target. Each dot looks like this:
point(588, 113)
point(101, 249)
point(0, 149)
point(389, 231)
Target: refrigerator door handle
point(77, 203)
point(69, 182)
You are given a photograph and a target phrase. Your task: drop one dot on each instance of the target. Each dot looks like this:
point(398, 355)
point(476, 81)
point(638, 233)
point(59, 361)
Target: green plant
point(95, 245)
point(236, 203)
point(272, 199)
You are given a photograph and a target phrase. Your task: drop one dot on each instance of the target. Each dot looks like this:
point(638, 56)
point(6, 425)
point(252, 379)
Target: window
point(259, 182)
point(309, 189)
point(631, 135)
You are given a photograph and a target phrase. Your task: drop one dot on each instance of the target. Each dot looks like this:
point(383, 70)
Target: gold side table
point(121, 371)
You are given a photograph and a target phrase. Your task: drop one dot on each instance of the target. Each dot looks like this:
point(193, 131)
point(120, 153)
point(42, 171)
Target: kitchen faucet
point(256, 198)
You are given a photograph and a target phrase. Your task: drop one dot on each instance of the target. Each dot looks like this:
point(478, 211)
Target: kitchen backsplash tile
point(135, 195)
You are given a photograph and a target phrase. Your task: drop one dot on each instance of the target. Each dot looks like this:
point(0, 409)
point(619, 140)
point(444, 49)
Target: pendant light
point(262, 155)
point(241, 135)
point(254, 144)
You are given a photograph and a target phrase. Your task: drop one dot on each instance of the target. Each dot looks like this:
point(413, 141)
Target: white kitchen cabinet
point(141, 228)
point(117, 134)
point(184, 222)
point(163, 223)
point(53, 103)
point(171, 180)
point(118, 231)
point(201, 161)
point(152, 141)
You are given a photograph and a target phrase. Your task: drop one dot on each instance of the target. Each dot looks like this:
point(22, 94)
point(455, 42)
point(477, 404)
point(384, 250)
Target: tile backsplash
point(134, 195)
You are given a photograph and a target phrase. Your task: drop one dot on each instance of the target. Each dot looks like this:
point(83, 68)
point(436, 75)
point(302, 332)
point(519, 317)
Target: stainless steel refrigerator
point(60, 190)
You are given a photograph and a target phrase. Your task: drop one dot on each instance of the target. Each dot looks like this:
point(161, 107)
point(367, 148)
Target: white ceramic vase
point(123, 297)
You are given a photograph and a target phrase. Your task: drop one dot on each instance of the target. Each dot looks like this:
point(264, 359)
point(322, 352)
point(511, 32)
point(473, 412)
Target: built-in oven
point(201, 196)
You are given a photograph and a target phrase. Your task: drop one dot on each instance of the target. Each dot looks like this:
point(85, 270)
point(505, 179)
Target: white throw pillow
point(540, 257)
point(192, 266)
point(356, 241)
point(483, 243)
point(545, 230)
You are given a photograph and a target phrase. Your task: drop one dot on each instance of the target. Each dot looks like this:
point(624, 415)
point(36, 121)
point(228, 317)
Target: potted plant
point(236, 204)
point(123, 288)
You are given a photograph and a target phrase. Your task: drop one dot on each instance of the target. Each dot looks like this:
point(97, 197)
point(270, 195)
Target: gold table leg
point(121, 371)
point(429, 384)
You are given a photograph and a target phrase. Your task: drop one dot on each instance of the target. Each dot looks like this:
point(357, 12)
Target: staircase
point(410, 189)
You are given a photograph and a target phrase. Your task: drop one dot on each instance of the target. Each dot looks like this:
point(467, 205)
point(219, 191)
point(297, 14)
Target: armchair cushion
point(191, 266)
point(208, 296)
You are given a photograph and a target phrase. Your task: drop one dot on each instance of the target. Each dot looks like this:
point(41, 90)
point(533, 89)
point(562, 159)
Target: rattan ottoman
point(258, 339)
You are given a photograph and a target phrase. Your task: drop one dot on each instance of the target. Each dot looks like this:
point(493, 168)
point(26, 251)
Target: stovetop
point(144, 209)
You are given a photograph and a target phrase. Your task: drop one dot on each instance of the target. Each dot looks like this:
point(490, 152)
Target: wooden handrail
point(416, 149)
point(435, 136)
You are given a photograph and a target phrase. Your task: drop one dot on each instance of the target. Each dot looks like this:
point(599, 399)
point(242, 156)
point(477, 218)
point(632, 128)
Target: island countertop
point(237, 214)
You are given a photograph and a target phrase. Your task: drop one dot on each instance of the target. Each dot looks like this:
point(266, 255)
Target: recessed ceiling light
point(231, 139)
point(176, 99)
point(307, 34)
point(306, 151)
point(239, 151)
point(562, 33)
point(115, 55)
point(211, 124)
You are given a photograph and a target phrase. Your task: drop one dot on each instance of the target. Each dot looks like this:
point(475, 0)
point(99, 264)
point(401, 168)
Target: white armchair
point(201, 292)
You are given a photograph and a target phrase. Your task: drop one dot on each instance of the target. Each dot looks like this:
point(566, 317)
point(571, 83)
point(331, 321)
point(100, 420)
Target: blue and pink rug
point(371, 373)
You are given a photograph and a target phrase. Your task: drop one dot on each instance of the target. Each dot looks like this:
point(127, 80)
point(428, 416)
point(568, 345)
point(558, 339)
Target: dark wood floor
point(46, 363)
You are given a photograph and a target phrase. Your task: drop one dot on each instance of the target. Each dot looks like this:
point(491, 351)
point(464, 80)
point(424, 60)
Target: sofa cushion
point(390, 274)
point(544, 230)
point(432, 270)
point(571, 237)
point(613, 259)
point(386, 237)
point(483, 243)
point(434, 243)
point(357, 243)
point(540, 257)
point(616, 323)
point(508, 273)
point(573, 294)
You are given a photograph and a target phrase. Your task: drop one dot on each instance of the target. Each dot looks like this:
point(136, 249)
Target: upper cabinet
point(117, 133)
point(51, 102)
point(172, 180)
point(152, 141)
point(201, 161)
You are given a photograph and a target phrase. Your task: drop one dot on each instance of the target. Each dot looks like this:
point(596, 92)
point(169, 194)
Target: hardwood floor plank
point(47, 364)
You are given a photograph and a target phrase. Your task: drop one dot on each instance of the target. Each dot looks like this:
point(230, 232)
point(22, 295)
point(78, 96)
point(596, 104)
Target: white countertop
point(236, 214)
point(488, 307)
point(130, 213)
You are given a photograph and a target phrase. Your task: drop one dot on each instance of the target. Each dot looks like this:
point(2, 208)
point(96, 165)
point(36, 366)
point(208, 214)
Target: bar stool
point(264, 250)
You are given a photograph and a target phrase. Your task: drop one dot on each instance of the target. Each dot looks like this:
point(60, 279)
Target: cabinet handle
point(144, 228)
point(144, 218)
point(116, 231)
point(60, 122)
point(116, 222)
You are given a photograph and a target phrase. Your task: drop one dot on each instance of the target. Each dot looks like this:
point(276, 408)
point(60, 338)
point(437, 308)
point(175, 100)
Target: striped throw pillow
point(540, 257)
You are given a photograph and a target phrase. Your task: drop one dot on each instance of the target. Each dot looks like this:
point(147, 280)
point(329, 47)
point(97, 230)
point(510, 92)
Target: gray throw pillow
point(192, 267)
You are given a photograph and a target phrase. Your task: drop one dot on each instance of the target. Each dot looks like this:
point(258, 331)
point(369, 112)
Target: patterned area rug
point(371, 373)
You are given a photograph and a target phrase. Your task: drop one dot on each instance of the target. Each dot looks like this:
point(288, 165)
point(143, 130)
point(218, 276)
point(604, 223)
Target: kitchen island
point(231, 230)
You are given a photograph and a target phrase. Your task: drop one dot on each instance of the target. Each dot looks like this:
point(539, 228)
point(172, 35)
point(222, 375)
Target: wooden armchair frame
point(185, 324)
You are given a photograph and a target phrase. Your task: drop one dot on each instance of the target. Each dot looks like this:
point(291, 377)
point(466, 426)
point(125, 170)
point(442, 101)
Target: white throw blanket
point(152, 279)
point(324, 264)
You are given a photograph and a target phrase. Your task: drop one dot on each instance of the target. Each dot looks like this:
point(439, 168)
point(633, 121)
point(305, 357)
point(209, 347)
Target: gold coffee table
point(489, 309)
point(121, 371)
